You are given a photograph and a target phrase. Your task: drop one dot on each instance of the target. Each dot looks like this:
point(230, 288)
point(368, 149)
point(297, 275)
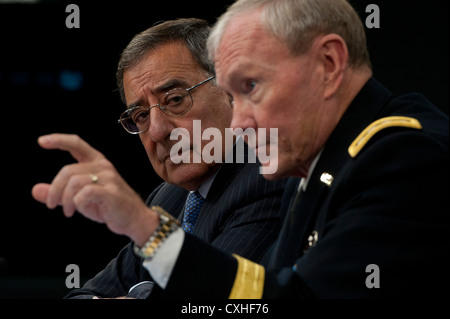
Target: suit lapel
point(216, 205)
point(172, 198)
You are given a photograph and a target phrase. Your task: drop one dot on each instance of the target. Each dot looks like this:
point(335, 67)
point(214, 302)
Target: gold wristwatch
point(167, 225)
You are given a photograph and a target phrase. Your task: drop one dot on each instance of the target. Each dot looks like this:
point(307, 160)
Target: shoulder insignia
point(385, 122)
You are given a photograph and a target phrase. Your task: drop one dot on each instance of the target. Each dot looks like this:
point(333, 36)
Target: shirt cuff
point(161, 265)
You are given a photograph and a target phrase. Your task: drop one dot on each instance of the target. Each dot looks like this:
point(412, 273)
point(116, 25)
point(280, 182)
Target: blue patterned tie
point(194, 204)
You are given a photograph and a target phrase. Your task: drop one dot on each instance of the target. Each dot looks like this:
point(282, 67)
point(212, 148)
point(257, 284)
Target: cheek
point(216, 115)
point(148, 145)
point(288, 113)
point(150, 149)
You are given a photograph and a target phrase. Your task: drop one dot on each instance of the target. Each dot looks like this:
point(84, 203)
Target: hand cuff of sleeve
point(249, 281)
point(164, 260)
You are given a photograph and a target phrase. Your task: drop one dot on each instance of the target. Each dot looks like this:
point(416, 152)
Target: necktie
point(194, 204)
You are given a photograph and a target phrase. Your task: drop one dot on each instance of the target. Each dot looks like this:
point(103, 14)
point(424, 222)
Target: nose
point(160, 125)
point(242, 116)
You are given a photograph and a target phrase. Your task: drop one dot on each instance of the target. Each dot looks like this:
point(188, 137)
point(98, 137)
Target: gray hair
point(192, 32)
point(299, 22)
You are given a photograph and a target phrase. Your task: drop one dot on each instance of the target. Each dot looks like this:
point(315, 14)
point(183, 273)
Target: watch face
point(165, 216)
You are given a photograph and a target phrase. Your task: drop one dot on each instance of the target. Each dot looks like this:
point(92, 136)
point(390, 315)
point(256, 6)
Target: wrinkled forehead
point(168, 57)
point(160, 67)
point(247, 48)
point(238, 40)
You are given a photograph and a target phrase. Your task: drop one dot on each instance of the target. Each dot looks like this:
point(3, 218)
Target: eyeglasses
point(176, 102)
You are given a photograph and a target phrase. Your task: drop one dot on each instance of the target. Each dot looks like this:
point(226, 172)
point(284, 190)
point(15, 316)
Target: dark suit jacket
point(241, 214)
point(385, 207)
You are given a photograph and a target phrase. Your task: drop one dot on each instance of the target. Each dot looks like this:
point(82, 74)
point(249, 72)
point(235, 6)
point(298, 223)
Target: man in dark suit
point(166, 81)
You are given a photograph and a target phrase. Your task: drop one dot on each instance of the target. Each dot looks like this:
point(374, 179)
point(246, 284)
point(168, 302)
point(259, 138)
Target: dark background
point(55, 79)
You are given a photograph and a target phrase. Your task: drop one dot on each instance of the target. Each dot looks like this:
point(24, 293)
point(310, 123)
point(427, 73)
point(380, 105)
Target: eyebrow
point(163, 88)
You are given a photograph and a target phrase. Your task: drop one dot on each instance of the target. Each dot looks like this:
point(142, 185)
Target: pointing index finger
point(76, 146)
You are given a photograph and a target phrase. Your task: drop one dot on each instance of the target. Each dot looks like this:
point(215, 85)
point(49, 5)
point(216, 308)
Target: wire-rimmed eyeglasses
point(176, 102)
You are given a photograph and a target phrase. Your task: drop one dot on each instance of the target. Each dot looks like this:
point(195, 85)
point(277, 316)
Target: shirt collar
point(206, 185)
point(304, 181)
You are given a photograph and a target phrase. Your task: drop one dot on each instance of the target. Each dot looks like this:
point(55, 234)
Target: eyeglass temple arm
point(208, 79)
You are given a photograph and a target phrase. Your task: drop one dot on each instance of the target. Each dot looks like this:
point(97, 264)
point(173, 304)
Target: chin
point(187, 176)
point(274, 176)
point(278, 169)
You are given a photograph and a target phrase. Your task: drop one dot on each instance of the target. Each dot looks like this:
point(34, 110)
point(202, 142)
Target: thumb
point(40, 192)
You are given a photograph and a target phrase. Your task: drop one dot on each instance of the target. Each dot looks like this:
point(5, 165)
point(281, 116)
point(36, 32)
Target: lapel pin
point(312, 240)
point(326, 178)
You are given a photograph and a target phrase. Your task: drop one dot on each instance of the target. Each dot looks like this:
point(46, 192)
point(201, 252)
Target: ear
point(333, 55)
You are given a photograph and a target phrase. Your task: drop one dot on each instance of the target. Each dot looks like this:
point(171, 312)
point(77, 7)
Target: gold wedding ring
point(94, 178)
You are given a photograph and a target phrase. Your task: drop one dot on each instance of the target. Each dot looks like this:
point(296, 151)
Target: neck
point(352, 83)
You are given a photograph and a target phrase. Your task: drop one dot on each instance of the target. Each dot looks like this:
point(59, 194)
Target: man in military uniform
point(368, 217)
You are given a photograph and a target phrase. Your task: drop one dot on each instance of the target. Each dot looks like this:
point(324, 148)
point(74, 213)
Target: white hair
point(298, 22)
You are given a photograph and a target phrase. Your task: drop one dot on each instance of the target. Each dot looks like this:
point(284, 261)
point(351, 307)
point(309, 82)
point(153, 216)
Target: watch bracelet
point(167, 225)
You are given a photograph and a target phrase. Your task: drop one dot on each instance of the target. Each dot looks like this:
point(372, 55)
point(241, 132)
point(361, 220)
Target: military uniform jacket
point(371, 223)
